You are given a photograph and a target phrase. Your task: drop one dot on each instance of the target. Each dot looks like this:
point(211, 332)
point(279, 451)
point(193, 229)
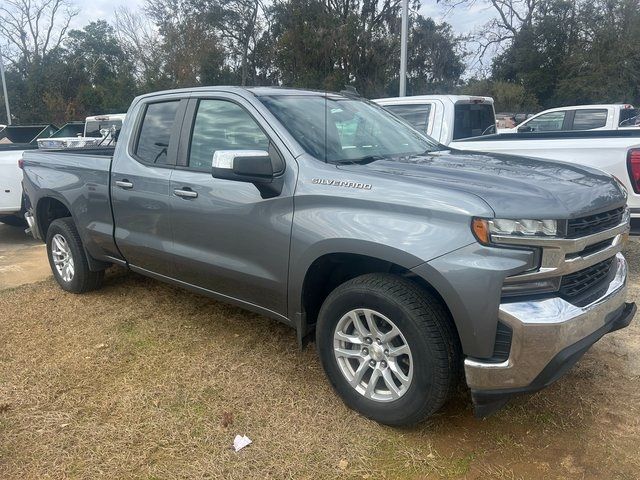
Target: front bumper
point(549, 336)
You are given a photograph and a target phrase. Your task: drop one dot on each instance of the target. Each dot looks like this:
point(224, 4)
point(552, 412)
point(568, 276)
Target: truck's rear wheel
point(388, 348)
point(68, 259)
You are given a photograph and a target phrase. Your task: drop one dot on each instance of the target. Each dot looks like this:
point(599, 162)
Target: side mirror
point(252, 166)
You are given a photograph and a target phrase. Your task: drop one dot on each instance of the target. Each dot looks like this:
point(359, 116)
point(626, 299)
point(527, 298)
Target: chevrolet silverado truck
point(407, 261)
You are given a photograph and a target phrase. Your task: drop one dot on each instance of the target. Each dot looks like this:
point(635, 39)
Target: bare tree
point(34, 28)
point(511, 16)
point(140, 41)
point(239, 24)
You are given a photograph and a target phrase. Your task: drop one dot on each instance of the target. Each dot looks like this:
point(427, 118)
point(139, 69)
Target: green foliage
point(574, 52)
point(508, 96)
point(302, 43)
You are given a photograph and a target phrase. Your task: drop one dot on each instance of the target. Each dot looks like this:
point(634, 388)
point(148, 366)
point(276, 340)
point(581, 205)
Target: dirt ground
point(143, 380)
point(22, 259)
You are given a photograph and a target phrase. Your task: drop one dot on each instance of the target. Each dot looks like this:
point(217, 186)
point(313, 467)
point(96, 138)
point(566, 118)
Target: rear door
point(140, 180)
point(228, 238)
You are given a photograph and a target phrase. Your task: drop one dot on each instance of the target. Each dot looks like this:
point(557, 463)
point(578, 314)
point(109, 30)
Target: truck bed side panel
point(81, 182)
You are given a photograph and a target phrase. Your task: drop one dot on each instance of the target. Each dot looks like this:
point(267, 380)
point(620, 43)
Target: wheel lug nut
point(368, 341)
point(383, 364)
point(386, 352)
point(372, 363)
point(365, 351)
point(378, 341)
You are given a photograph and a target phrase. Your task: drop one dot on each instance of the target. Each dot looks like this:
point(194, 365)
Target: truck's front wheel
point(68, 259)
point(388, 348)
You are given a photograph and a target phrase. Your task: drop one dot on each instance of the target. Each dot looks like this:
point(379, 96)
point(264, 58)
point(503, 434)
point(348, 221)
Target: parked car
point(405, 259)
point(445, 118)
point(581, 117)
point(14, 140)
point(615, 152)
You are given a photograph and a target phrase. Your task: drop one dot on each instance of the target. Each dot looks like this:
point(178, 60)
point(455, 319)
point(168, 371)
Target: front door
point(228, 238)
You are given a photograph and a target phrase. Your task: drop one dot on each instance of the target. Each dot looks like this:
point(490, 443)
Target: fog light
point(532, 287)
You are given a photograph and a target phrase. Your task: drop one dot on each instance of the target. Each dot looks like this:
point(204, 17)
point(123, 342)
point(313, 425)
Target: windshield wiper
point(362, 160)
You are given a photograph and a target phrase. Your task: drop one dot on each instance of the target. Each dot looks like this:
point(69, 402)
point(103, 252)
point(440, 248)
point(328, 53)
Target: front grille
point(580, 227)
point(579, 282)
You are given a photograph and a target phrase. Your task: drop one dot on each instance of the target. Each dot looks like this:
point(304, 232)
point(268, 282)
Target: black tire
point(83, 279)
point(427, 329)
point(13, 220)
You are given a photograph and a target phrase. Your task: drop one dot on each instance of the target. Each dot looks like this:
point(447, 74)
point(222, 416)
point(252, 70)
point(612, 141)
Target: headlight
point(483, 229)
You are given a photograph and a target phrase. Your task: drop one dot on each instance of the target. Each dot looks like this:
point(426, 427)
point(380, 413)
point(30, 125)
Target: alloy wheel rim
point(373, 355)
point(62, 258)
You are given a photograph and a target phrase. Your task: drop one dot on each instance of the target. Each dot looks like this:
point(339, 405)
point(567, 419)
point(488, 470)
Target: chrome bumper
point(542, 329)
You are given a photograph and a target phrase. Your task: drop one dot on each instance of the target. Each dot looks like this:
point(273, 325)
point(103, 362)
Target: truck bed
point(80, 177)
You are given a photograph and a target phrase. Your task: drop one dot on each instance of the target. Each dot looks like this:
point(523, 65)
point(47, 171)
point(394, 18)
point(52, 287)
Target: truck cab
point(445, 118)
point(581, 117)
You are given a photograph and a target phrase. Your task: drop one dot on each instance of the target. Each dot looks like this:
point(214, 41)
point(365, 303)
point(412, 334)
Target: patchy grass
point(142, 380)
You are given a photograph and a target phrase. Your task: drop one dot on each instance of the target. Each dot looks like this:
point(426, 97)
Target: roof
point(256, 91)
point(107, 117)
point(416, 99)
point(621, 106)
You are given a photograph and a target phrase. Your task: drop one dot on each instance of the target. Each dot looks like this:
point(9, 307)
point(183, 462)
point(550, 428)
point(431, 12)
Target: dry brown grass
point(142, 380)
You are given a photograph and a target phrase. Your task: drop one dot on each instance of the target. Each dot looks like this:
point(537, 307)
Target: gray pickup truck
point(406, 259)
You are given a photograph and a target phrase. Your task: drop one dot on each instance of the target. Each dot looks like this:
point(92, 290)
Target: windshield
point(338, 129)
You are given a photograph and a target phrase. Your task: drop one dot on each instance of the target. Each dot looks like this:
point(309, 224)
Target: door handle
point(126, 184)
point(185, 193)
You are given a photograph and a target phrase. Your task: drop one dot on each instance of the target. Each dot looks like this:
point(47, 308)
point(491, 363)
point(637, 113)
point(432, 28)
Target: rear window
point(102, 128)
point(415, 115)
point(473, 120)
point(589, 119)
point(630, 117)
point(157, 125)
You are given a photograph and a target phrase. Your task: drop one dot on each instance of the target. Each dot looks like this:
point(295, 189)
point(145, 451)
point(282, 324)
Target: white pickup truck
point(445, 118)
point(581, 117)
point(616, 152)
point(98, 130)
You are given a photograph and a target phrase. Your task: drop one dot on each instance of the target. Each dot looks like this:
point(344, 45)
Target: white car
point(581, 117)
point(11, 184)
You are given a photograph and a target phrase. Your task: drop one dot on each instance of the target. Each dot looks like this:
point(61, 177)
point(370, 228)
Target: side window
point(549, 122)
point(415, 115)
point(588, 119)
point(157, 125)
point(222, 125)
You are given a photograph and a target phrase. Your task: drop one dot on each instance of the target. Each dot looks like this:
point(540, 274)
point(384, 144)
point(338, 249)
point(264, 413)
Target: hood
point(513, 186)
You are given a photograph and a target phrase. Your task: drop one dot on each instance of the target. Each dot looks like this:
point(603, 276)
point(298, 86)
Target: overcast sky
point(463, 20)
